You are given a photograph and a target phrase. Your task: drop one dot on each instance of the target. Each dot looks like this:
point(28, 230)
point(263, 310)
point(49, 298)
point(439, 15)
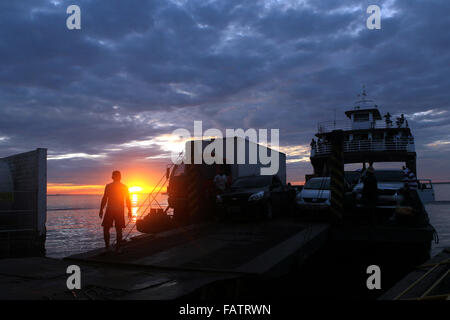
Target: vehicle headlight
point(256, 196)
point(299, 196)
point(218, 199)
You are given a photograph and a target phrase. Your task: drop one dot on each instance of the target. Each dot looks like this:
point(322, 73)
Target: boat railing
point(328, 126)
point(402, 144)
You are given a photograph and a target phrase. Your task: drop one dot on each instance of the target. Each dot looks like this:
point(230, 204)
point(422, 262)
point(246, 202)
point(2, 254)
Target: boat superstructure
point(368, 137)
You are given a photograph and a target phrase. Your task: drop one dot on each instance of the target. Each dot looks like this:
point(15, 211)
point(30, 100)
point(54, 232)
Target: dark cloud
point(140, 69)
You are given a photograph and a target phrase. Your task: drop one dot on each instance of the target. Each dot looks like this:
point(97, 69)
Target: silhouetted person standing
point(220, 181)
point(116, 194)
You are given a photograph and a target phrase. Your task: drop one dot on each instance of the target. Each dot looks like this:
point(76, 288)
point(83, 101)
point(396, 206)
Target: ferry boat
point(395, 233)
point(370, 137)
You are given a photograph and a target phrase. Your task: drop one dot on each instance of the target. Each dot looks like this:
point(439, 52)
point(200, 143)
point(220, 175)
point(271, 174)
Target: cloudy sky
point(109, 95)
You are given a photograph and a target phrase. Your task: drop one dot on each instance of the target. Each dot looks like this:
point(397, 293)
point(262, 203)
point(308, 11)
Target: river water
point(73, 224)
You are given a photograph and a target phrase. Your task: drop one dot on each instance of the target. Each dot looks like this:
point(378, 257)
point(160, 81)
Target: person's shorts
point(114, 219)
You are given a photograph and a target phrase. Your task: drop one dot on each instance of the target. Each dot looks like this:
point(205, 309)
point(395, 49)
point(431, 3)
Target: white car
point(315, 195)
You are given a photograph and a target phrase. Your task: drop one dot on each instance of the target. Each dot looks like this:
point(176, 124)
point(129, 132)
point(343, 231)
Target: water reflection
point(140, 204)
point(73, 224)
point(134, 206)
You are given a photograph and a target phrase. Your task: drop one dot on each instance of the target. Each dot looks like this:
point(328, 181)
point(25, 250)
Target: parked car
point(315, 194)
point(389, 183)
point(261, 196)
point(352, 179)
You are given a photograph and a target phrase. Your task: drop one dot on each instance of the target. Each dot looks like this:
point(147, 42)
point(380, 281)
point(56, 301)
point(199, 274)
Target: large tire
point(268, 211)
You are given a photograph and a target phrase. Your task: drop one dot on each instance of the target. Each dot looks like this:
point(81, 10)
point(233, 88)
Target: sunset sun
point(135, 189)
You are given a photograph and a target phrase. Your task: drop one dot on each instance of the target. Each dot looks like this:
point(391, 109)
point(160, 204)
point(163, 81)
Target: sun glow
point(135, 197)
point(135, 189)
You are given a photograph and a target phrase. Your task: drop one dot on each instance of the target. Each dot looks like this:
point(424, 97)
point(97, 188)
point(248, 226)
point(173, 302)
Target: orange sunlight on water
point(141, 199)
point(134, 206)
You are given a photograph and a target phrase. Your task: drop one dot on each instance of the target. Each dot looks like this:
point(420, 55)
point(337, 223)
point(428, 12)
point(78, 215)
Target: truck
point(191, 191)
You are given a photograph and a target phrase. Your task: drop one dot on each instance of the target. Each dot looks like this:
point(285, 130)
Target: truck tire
point(268, 211)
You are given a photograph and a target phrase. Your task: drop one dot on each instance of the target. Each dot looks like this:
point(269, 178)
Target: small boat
point(156, 221)
point(426, 191)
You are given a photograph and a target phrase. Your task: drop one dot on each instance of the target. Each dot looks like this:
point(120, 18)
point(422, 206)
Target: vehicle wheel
point(292, 209)
point(268, 212)
point(224, 216)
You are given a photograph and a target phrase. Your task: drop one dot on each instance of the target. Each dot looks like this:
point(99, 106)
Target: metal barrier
point(368, 145)
point(18, 220)
point(18, 212)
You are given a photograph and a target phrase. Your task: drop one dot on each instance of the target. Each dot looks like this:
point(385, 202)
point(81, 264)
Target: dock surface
point(429, 281)
point(172, 264)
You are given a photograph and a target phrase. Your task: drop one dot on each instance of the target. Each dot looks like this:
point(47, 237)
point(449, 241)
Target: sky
point(109, 96)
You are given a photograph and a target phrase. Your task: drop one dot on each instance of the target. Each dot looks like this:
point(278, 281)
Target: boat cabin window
point(361, 137)
point(389, 136)
point(377, 136)
point(361, 117)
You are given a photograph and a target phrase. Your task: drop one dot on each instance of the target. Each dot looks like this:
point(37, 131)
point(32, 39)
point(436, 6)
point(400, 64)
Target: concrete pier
point(429, 281)
point(205, 260)
point(23, 204)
